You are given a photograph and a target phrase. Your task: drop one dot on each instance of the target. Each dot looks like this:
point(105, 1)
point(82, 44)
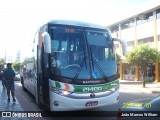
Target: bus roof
point(76, 23)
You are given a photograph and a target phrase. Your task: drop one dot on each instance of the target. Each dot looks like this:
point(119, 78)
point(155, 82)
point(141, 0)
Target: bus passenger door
point(42, 81)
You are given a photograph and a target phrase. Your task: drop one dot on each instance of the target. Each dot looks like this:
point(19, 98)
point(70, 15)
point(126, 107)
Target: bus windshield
point(81, 52)
point(102, 53)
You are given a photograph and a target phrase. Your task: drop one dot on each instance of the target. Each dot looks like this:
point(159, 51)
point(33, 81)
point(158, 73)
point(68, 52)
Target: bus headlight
point(66, 93)
point(114, 89)
point(60, 91)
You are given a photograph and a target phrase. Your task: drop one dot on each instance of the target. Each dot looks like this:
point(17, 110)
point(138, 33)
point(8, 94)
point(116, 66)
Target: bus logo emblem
point(92, 95)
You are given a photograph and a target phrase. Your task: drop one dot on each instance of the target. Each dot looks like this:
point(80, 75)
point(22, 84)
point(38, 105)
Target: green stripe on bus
point(96, 88)
point(58, 85)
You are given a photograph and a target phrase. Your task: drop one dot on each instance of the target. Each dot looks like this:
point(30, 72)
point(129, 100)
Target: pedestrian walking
point(3, 81)
point(2, 78)
point(9, 75)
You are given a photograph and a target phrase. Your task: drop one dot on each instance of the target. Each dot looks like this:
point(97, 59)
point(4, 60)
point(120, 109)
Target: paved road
point(28, 103)
point(128, 92)
point(134, 91)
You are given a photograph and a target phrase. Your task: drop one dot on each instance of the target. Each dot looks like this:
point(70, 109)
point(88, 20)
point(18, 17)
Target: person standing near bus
point(3, 80)
point(1, 74)
point(9, 75)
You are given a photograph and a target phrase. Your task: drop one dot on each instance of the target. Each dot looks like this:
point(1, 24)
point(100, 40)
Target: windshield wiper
point(81, 65)
point(92, 58)
point(97, 65)
point(85, 57)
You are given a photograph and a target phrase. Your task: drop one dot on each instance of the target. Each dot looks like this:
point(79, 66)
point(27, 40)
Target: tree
point(16, 65)
point(141, 56)
point(118, 57)
point(27, 60)
point(2, 62)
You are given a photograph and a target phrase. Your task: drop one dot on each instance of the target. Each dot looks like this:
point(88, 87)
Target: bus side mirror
point(123, 43)
point(46, 42)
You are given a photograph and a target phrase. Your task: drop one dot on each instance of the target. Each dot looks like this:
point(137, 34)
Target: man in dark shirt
point(9, 75)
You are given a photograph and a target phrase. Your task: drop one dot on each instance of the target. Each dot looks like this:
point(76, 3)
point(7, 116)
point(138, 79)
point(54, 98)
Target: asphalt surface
point(125, 86)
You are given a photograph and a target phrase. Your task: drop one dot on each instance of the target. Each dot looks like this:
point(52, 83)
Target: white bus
point(74, 66)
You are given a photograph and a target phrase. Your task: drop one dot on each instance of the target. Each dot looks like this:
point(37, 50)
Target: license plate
point(92, 103)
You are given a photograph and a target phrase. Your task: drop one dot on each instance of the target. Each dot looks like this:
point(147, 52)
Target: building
point(142, 27)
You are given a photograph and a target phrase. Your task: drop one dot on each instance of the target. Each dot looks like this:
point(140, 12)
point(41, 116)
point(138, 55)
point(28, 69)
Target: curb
point(156, 91)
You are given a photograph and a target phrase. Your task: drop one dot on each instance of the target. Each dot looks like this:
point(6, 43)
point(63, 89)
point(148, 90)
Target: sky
point(19, 19)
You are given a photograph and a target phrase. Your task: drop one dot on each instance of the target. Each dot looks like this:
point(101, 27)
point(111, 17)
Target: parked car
point(17, 76)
